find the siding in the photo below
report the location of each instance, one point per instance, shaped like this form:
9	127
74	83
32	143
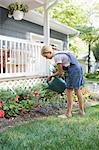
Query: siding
19	29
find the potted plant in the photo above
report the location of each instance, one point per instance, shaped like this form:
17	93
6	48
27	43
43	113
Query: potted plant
17	10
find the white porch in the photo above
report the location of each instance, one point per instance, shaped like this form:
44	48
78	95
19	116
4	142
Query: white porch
21	58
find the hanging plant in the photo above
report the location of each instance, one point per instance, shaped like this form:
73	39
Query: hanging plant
15	9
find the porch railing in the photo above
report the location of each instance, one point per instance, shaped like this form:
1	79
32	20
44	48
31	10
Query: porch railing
21	58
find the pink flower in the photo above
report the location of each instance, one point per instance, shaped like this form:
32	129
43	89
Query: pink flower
16	99
2	113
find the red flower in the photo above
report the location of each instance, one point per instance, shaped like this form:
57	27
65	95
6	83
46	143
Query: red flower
16	99
35	93
23	111
2	113
1	105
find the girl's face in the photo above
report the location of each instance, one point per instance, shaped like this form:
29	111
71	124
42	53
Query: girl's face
48	55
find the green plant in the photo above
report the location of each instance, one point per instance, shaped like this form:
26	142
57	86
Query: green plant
16	6
55	70
14	102
11	109
94	75
95	50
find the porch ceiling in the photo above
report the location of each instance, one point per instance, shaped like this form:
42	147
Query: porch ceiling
34	17
31	3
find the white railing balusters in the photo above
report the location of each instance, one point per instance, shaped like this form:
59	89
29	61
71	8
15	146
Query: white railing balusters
33	52
15	55
5	56
1	57
21	58
10	57
18	63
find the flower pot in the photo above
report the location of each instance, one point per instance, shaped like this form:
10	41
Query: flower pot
18	15
10	16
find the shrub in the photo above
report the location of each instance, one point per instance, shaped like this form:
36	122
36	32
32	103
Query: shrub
16	6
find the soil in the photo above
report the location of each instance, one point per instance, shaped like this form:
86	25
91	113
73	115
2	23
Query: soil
5	123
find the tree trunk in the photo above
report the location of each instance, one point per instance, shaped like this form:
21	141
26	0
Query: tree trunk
89	50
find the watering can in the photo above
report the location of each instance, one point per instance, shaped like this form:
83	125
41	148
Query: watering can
57	84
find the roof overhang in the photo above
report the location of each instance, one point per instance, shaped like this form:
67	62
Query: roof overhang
31	3
34	17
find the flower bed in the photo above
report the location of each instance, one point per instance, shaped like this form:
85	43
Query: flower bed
20	101
37	98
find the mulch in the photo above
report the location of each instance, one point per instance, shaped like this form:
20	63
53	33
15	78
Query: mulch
10	122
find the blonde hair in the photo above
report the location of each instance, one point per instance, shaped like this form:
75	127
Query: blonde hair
45	49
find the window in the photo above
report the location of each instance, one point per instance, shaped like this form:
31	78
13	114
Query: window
40	39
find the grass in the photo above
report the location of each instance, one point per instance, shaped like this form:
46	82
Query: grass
53	133
91	80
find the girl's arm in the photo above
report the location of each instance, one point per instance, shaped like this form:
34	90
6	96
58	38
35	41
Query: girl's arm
59	72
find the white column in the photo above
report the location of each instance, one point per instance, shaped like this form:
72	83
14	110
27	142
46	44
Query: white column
46	28
48	5
46	25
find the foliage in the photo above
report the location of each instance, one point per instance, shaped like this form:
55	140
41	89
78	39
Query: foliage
90	35
77	46
47	96
22	100
68	13
94	75
96	8
95	50
14	102
40	10
86	94
16	6
73	48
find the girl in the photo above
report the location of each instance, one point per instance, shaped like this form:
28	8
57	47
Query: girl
65	61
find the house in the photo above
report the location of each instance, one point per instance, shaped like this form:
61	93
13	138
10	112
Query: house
21	41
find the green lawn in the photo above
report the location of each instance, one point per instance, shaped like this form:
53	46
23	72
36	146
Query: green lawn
53	133
92	80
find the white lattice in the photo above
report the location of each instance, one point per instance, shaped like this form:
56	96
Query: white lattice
24	83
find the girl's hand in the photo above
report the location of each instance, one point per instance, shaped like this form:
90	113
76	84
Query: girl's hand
49	78
58	73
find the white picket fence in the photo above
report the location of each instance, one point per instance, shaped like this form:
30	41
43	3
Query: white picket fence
21	58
